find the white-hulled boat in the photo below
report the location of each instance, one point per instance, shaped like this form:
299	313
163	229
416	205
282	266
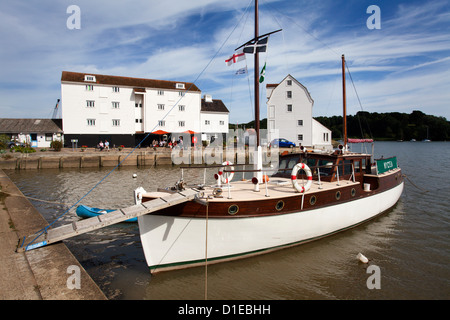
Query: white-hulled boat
244	218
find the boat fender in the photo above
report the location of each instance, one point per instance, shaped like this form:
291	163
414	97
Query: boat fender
362	258
304	167
230	176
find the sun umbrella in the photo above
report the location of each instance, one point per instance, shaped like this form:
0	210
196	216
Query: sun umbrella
159	132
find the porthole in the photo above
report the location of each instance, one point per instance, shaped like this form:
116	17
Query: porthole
312	200
338	195
233	209
280	205
353	192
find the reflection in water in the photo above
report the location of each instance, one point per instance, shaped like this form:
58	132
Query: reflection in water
409	243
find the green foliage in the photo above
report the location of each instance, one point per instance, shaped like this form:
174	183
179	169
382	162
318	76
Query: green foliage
390	126
21	149
56	145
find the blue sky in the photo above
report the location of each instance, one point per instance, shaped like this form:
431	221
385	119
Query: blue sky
403	66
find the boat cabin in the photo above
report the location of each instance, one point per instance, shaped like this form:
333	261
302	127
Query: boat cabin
327	166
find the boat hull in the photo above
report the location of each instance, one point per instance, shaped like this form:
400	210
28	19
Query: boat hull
175	242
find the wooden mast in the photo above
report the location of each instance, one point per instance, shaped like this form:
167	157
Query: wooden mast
344	103
256	78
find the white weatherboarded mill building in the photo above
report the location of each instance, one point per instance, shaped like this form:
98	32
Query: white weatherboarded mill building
289	110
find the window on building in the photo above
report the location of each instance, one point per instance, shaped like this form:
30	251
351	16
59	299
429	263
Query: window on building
115	105
160	107
181	93
325	136
116	122
138	120
90	103
180	85
89	87
207	122
89	78
181	123
49	137
181	108
91	122
289	94
116	89
289	108
222	123
289	82
160	92
161	123
299	122
300	137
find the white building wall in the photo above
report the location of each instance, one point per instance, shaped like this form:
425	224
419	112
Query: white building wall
152	107
184	111
290	111
77	109
321	136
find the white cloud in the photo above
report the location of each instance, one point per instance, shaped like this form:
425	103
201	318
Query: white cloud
394	68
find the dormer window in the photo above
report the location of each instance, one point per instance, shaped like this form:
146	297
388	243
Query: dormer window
89	78
179	85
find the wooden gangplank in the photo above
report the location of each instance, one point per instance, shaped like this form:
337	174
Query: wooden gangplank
86	225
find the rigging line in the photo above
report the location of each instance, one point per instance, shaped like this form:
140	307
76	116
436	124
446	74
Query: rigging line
40	232
306	31
360	104
246	13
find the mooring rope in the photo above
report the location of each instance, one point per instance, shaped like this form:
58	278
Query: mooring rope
407	178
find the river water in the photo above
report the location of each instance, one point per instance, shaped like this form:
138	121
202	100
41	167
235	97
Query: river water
409	245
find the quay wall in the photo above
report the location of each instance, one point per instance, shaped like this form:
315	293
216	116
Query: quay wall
68	158
42	274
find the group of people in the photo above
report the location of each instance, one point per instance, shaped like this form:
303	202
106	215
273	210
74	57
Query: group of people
170	144
102	145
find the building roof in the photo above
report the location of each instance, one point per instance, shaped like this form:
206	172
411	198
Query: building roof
296	81
214	106
126	81
31	126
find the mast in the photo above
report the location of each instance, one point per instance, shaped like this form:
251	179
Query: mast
344	102
256	78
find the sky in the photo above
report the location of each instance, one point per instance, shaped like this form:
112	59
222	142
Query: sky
400	66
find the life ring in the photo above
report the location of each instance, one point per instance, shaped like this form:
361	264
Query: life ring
229	176
304	167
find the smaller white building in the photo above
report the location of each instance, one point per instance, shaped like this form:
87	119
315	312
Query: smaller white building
37	133
289	110
214	117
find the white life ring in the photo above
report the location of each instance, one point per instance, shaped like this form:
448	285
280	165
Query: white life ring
229	176
304	167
